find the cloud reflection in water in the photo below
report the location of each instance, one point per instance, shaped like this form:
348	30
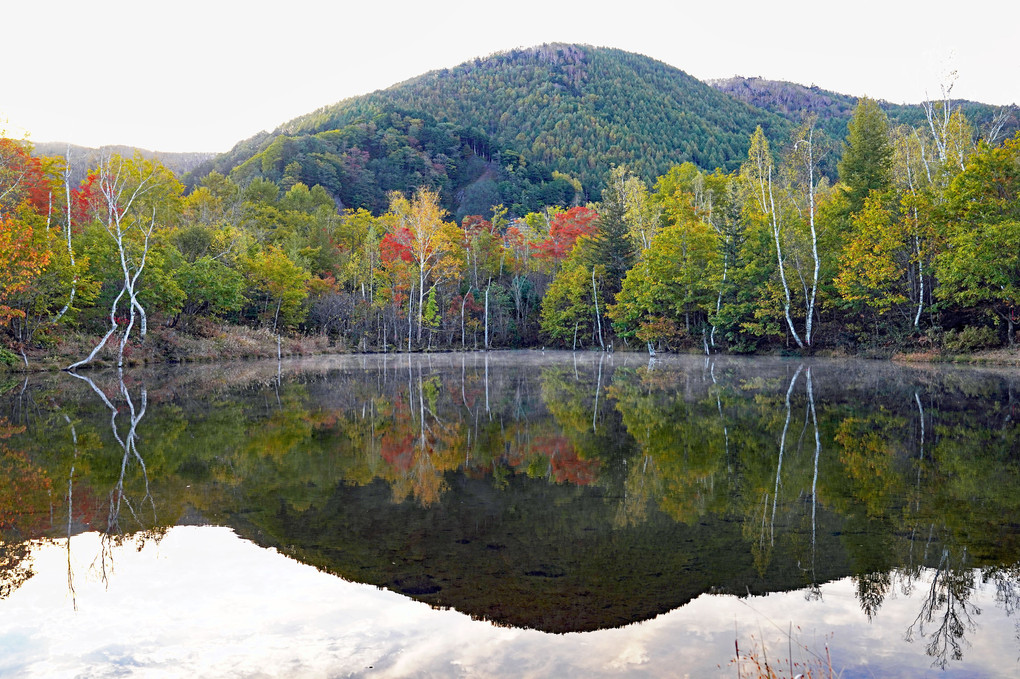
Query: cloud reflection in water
203	602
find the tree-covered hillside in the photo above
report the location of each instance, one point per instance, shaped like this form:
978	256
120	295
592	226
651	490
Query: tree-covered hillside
496	129
794	101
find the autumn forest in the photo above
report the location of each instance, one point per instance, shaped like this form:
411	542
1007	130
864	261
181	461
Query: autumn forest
415	219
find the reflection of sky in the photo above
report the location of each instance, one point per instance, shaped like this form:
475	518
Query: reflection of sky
205	603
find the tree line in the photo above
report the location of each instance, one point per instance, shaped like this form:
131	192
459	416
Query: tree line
914	244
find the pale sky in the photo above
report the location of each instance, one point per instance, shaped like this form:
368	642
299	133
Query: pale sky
201	75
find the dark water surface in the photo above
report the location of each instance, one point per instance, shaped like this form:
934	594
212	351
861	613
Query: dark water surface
511	514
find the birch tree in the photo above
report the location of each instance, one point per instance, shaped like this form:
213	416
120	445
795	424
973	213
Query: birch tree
951	133
913	180
758	172
642	215
423	218
803	188
132	198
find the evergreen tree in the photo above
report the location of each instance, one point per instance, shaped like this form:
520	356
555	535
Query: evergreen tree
612	245
866	165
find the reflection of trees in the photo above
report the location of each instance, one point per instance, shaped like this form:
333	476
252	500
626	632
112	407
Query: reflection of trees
946	612
899	468
24	495
814	591
792	472
1007	591
763	551
932	497
682	464
871	590
128	443
408	423
418	442
15	565
590	443
119	497
725	443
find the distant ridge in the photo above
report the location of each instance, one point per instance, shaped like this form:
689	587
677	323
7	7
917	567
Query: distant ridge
84	157
793	101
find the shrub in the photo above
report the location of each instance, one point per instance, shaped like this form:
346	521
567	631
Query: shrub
971	339
8	357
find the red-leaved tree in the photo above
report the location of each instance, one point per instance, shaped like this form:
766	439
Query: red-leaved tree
564	230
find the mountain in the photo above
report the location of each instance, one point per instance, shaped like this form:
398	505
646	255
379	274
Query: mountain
541	126
84	157
793	101
517	127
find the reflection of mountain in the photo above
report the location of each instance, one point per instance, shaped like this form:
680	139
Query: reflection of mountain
559	492
531	555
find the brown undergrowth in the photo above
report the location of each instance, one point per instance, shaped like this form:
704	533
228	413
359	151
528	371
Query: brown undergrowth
755	660
169	345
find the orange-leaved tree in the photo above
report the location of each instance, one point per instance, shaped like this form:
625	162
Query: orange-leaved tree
24	199
22	258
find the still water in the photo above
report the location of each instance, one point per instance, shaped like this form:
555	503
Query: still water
511	514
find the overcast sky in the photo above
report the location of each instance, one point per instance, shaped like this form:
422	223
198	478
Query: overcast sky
201	75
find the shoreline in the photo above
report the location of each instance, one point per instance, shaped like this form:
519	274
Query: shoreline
166	346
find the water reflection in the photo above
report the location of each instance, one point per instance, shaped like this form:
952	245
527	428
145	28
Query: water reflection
560	495
202	620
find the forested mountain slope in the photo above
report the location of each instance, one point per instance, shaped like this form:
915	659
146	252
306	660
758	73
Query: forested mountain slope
495	129
793	101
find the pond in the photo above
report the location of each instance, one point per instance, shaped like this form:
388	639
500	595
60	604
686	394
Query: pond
520	514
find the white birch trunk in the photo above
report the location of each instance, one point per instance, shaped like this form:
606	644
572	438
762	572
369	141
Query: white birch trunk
814	235
70	250
106	337
779	257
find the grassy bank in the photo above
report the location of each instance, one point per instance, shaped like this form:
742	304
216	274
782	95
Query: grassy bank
1005	356
167	345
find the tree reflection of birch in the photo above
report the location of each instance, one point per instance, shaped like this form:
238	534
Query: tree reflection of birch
767	534
947	613
814	591
118	498
70	509
782	450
